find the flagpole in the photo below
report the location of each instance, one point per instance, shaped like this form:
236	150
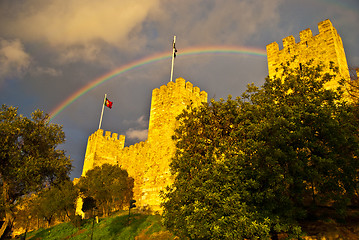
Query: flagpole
173	55
103	106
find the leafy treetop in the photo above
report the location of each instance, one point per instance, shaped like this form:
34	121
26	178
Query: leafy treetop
254	166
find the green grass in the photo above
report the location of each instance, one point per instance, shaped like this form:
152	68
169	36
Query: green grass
114	227
60	231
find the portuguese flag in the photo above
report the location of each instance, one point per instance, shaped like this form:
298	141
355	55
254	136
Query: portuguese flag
108	103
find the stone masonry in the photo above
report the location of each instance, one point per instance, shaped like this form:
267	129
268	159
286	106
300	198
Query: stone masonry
325	47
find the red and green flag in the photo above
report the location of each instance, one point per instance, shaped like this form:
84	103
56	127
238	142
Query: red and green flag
108	103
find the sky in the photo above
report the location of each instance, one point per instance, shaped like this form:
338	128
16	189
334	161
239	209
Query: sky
62	57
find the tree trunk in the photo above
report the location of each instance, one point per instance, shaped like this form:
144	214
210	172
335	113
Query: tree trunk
313	195
9	218
104	211
7	224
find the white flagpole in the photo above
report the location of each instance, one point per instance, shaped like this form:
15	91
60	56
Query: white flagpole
173	55
103	106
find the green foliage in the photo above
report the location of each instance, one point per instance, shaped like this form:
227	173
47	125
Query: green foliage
55	201
352	88
28	154
29	158
109	185
248	168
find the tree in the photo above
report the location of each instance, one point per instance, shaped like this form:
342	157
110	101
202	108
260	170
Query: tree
308	134
251	167
55	201
29	158
109	185
353	90
206	200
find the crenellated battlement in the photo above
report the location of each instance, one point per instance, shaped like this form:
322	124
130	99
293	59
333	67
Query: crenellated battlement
323	48
178	88
288	42
167	103
114	137
305	35
325	28
102	148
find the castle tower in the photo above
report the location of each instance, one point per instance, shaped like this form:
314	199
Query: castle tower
102	149
167	103
325	47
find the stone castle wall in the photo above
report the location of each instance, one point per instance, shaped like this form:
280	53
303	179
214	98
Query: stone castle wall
325	47
102	149
147	162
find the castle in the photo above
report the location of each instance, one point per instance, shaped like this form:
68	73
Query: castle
148	162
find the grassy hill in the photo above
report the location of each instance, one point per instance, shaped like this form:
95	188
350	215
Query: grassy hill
322	225
141	227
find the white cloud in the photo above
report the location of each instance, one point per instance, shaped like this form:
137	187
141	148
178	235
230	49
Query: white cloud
14	61
81	30
137	134
66	23
142	122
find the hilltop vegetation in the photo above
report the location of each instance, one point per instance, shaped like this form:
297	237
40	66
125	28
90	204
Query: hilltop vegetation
107	189
146	227
36	190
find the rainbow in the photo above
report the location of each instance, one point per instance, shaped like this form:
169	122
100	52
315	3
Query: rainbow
151	59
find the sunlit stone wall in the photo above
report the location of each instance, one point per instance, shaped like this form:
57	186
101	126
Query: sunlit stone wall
325	47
